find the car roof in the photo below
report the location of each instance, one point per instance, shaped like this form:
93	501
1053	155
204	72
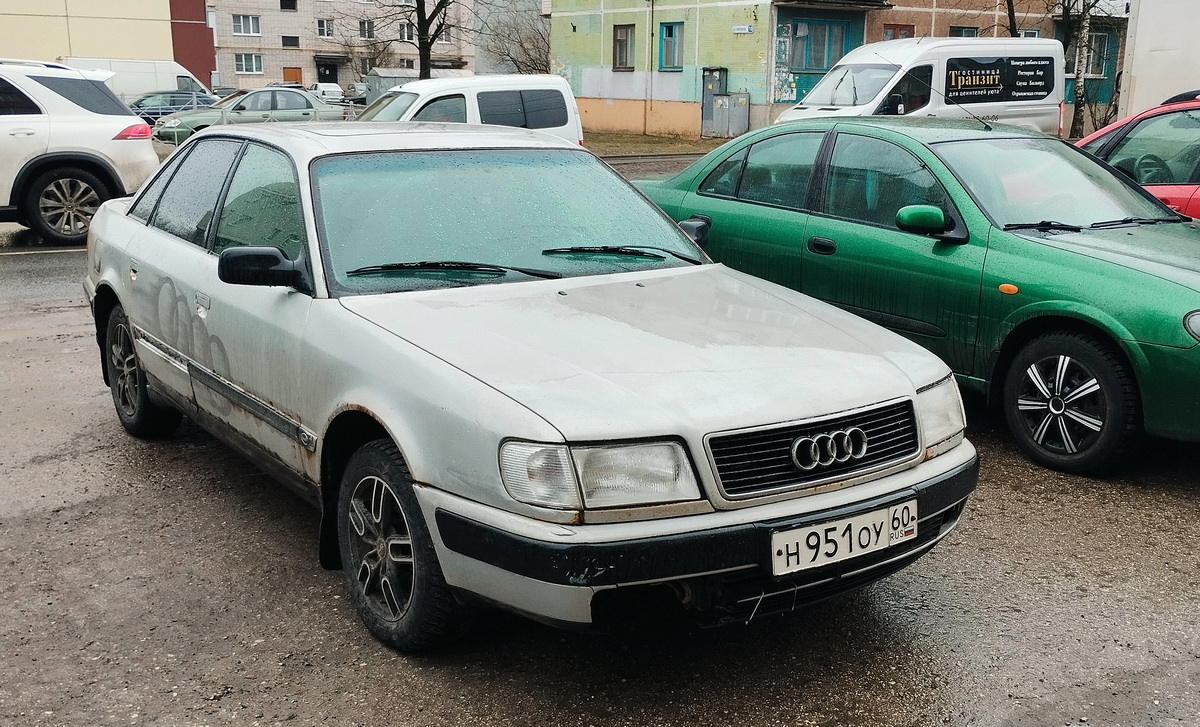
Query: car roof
496	80
53	70
923	129
307	139
903	50
1152	111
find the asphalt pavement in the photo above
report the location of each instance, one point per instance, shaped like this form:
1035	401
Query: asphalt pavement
172	583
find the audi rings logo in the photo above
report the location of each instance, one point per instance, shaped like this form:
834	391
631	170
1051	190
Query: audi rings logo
822	450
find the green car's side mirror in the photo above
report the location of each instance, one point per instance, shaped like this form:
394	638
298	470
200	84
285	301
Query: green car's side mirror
927	219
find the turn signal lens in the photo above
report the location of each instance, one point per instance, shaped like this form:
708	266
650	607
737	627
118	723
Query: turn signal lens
137	131
539	474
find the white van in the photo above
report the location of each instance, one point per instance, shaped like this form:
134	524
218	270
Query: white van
1013	80
541	102
132	78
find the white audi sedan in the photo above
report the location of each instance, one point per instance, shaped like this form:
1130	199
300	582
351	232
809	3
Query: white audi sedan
506	378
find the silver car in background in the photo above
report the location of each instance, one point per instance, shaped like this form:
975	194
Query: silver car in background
506	378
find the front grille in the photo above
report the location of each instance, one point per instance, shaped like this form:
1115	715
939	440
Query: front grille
760	461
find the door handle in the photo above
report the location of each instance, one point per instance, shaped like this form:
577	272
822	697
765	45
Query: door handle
822	245
22	132
133	269
202	304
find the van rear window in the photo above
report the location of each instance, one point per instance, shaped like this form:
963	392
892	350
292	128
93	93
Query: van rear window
529	108
91	95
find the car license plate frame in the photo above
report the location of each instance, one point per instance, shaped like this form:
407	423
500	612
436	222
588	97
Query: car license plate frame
821	544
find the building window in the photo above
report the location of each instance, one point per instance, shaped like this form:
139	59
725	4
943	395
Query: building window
291	41
408	33
247	63
894	32
962	31
365	66
1029	33
622	47
246	25
325	27
442	37
210	18
366	29
818	44
287	4
1096	56
670	47
407	63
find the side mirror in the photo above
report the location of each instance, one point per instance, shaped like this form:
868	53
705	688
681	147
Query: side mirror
895	104
258	266
927	219
696	228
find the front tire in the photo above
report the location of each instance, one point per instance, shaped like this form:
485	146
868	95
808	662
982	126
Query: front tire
60	204
1072	403
140	416
395	581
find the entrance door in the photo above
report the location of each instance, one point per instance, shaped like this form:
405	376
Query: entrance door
294	75
327	73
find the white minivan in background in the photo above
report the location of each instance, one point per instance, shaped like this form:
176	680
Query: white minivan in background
541	102
1016	81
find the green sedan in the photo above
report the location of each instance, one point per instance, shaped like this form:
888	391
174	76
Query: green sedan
248	107
1047	281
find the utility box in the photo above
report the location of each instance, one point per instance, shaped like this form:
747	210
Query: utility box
730	117
715	84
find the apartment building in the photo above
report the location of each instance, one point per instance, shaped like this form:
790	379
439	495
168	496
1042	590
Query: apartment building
325	41
648	66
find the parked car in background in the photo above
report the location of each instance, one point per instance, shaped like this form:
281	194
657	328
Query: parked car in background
498	390
223	91
1048	282
248	107
287	84
528	101
1159	149
153	106
130	79
330	92
356	93
69	144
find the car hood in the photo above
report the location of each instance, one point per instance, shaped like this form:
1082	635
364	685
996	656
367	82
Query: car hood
1167	250
684	350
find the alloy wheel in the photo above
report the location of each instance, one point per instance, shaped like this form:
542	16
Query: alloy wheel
382	548
125	370
67	205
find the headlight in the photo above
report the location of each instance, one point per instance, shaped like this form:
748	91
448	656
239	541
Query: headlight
635	474
1191	322
940	410
172	122
554	475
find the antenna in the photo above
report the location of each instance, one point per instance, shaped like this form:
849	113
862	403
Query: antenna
986	125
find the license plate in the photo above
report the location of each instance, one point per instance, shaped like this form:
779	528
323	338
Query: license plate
813	546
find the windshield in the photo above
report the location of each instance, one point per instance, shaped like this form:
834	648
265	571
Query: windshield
1029	180
230	101
388	107
851	84
515	208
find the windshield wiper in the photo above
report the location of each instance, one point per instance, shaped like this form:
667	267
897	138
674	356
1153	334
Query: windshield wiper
1134	221
452	265
635	250
1043	225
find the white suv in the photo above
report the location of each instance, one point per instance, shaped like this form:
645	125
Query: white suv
69	145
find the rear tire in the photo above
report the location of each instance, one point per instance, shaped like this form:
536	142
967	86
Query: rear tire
60	203
395	581
140	416
1072	403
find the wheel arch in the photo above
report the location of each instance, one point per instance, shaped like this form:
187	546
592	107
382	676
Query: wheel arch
349	430
1107	331
102	306
87	162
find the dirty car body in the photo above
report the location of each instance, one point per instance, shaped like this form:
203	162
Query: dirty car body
503	393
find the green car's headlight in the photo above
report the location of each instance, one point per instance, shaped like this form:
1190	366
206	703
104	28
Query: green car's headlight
172	122
940	410
624	475
1191	323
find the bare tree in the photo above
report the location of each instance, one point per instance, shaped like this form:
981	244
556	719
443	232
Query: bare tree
417	23
517	35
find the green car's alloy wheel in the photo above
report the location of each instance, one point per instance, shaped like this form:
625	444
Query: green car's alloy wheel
140	416
1071	403
387	554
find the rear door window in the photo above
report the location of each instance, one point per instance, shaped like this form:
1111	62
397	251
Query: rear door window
185	209
502	108
15	103
90	95
541	108
290	101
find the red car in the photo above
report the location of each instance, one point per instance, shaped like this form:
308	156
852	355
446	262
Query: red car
1160	149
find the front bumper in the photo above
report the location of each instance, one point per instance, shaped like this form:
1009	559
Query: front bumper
718	575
